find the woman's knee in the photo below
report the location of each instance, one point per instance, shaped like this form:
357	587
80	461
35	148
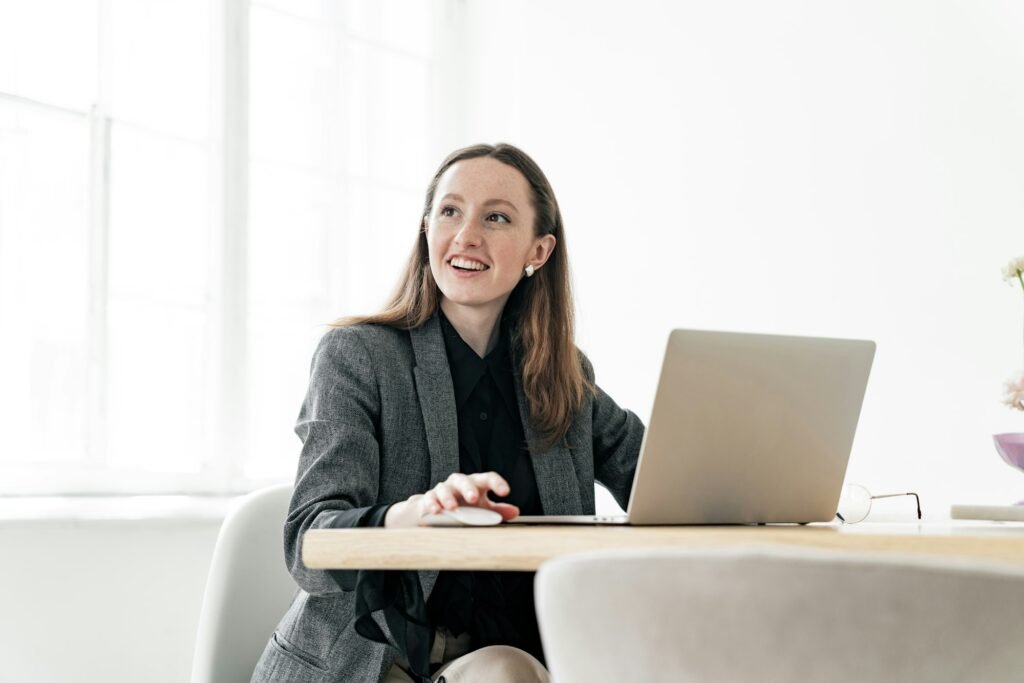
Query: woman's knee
495	664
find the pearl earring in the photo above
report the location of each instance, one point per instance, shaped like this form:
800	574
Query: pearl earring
529	270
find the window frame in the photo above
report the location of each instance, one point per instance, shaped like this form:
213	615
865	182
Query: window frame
226	443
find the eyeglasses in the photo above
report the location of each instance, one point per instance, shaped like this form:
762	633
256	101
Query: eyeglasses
855	503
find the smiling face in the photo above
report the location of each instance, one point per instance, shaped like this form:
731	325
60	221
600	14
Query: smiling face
480	234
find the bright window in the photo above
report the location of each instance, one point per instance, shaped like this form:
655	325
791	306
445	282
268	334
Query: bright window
158	309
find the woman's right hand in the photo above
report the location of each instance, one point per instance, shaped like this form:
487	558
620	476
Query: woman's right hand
457	490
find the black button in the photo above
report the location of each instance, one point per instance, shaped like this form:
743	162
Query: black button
483	416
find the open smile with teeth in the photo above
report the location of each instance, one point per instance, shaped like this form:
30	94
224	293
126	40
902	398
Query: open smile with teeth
466	264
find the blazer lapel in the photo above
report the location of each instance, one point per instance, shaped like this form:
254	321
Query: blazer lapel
557	482
440	418
437	400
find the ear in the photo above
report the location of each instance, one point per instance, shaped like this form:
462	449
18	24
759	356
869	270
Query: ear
543	247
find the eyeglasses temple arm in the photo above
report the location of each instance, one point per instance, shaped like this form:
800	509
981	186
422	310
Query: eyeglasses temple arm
897	495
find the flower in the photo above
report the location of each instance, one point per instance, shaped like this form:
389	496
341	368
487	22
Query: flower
1014	270
1014	388
1014	391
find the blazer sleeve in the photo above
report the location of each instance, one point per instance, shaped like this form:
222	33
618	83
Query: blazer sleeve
338	471
617	436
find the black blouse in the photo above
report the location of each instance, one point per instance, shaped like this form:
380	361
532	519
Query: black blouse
495	608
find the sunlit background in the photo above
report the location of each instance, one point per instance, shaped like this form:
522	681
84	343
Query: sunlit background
188	192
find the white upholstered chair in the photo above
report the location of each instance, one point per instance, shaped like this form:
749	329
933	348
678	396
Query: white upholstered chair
248	589
778	614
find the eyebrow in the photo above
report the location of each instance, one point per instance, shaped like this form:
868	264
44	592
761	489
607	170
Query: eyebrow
489	202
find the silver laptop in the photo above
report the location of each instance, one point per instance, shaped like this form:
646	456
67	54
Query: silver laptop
745	429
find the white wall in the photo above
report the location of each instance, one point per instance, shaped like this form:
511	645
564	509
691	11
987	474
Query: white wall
821	168
114	600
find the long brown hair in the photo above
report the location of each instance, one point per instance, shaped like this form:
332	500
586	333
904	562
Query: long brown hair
543	335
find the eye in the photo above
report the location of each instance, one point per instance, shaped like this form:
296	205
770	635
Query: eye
498	217
447	211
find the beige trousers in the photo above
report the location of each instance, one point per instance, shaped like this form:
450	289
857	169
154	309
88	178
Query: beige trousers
494	664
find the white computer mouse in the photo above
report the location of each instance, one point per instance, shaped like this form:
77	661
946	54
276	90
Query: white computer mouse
465	515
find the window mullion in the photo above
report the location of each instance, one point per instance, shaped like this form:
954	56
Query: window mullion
448	74
99	234
99	261
227	405
337	299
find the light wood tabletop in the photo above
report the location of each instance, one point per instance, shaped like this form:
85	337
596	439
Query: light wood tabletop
525	548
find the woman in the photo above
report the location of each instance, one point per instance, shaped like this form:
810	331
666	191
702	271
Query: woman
467	390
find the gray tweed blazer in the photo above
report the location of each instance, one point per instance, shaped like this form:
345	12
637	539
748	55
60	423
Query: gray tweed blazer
378	425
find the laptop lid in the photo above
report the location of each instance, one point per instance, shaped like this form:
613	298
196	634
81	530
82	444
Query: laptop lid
750	428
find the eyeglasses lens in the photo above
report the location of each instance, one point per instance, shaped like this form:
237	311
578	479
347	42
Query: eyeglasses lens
854	503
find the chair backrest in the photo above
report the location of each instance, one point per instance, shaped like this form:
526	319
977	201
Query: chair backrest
248	589
779	614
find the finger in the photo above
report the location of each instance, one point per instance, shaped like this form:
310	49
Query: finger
509	508
506	510
445	496
469	490
463	488
429	504
455	477
492	481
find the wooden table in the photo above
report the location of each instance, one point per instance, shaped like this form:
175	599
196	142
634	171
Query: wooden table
525	548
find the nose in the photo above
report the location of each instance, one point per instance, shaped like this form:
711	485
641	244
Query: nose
469	234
